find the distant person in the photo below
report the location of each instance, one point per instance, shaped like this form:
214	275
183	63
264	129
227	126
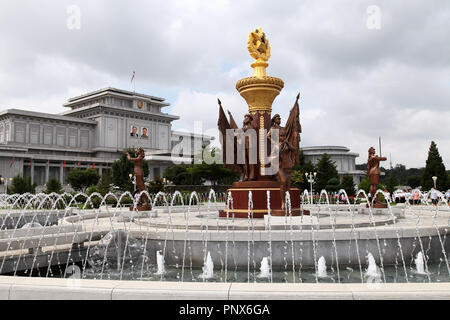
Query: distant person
416	197
388	195
434	196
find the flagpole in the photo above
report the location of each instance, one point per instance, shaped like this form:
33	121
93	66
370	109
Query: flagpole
379	142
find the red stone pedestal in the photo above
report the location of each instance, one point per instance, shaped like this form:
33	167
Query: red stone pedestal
240	193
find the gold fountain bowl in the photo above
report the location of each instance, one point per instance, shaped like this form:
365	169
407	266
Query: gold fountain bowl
260	92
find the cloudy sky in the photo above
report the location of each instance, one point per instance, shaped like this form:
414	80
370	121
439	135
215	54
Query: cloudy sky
363	72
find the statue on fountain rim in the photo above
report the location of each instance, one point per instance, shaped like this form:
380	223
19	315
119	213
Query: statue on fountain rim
139	175
373	171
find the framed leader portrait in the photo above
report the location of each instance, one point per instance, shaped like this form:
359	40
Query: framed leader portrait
134	131
144	133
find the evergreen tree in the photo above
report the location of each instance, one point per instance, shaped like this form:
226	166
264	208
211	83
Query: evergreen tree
297	179
326	170
434	167
21	185
215	172
332	185
364	185
104	185
391	182
53	185
82	179
414	181
348	185
180	175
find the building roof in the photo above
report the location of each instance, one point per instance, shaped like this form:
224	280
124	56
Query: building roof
330	150
115	90
43	115
190	134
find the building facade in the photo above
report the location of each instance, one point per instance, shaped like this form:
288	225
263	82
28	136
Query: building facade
344	160
93	133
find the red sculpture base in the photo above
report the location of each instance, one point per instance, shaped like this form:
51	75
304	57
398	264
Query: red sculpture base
240	193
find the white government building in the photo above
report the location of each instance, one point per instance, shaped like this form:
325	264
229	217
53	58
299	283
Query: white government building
93	133
344	160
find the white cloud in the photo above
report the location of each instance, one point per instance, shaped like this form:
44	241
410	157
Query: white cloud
356	84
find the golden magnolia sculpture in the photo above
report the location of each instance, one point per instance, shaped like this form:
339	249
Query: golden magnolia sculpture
258	45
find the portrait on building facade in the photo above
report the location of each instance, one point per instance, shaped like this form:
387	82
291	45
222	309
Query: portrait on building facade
144	133
134	131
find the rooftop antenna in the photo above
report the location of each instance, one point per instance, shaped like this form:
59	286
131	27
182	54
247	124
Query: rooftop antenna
133	82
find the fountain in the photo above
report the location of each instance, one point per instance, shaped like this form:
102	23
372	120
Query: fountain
208	268
420	264
160	263
185	236
183	242
322	268
265	268
372	269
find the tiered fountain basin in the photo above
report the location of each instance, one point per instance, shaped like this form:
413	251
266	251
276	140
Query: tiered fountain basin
341	235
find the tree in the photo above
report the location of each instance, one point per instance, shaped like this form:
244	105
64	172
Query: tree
302	168
434	167
332	185
53	185
122	168
391	182
348	185
214	172
21	185
82	179
365	185
105	182
297	179
414	181
156	185
180	175
326	170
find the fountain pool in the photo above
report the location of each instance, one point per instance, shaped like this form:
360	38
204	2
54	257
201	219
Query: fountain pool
56	236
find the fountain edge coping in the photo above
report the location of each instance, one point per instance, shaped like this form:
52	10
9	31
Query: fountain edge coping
13	288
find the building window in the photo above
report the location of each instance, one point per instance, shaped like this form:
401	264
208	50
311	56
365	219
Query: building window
34	134
48	135
60	136
20	133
